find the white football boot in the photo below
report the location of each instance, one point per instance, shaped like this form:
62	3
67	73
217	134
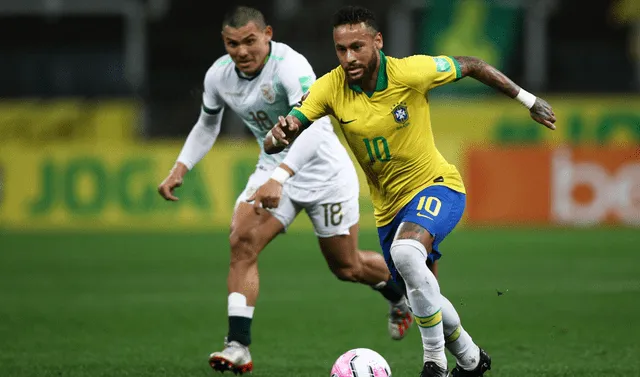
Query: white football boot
234	357
400	319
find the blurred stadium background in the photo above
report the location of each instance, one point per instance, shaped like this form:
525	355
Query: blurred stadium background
100	277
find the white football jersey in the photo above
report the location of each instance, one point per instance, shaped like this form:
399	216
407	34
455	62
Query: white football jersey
259	100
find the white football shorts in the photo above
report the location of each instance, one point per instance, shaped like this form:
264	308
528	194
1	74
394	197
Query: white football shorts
332	209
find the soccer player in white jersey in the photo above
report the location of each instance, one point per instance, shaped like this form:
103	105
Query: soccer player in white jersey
260	79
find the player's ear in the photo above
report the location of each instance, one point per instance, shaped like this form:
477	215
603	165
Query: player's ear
268	32
224	41
377	41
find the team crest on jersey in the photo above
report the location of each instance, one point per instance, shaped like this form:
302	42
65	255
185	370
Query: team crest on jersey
400	113
268	93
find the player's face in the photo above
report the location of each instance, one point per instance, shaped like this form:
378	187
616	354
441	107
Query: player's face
248	46
357	47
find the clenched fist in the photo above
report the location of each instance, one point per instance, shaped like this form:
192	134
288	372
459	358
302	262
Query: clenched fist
173	181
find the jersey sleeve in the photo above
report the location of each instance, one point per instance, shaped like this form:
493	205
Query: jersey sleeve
316	102
428	72
201	138
304	149
212	103
296	76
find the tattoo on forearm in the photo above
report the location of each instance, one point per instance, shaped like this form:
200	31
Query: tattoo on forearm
487	74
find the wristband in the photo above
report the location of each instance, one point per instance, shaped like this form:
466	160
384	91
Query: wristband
280	175
526	98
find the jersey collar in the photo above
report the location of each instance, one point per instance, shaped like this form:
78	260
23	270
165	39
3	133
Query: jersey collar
249	78
381	83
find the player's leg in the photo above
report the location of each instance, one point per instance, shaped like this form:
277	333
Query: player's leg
431	214
471	360
348	263
409	252
250	232
336	226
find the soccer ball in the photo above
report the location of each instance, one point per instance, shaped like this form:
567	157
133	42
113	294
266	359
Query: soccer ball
360	362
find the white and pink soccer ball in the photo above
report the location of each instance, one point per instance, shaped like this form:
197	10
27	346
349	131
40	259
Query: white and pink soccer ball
361	362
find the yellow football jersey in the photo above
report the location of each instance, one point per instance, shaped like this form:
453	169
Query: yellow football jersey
389	130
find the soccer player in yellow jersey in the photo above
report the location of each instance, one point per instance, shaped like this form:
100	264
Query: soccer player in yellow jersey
382	105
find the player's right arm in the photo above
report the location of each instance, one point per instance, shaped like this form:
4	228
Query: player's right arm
282	134
200	140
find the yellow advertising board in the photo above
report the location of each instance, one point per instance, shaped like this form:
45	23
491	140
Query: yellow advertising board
103	187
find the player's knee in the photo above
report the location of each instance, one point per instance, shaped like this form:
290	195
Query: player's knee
243	245
407	255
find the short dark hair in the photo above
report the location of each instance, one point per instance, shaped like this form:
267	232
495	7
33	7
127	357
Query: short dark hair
351	14
242	15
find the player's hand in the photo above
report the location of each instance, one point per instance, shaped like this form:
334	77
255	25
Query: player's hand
267	196
542	113
173	181
168	185
285	129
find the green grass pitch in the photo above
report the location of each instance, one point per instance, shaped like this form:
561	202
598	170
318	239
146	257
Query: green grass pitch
115	305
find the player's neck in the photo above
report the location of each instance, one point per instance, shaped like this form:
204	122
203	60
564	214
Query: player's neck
370	84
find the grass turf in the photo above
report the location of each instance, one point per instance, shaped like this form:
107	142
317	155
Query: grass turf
116	305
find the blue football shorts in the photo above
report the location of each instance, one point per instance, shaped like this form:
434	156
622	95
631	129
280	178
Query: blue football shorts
437	208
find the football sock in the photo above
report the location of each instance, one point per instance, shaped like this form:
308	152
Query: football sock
240	317
457	340
390	290
424	297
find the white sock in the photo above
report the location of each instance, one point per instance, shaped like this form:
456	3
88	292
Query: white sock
423	292
238	306
457	340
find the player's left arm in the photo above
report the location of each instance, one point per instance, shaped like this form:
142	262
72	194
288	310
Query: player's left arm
539	109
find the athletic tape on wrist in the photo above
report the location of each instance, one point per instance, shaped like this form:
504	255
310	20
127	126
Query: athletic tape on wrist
526	98
280	175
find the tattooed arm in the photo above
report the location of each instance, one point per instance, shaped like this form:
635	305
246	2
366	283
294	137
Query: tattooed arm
539	109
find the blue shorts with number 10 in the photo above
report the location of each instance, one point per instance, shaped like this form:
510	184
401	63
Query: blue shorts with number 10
436	208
